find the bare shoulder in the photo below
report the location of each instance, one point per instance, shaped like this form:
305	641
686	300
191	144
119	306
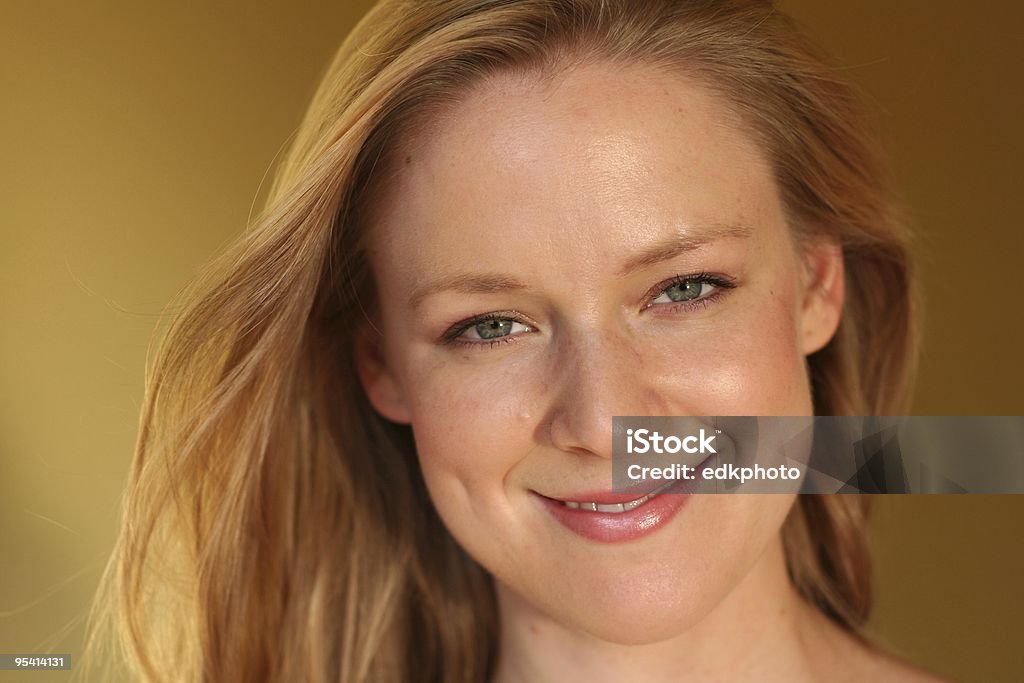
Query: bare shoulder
886	667
871	663
839	656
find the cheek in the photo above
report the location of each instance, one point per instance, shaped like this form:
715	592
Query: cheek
746	362
471	425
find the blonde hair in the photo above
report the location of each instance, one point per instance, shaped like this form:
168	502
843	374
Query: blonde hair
275	526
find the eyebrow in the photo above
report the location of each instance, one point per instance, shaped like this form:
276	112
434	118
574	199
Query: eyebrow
485	283
658	252
670	247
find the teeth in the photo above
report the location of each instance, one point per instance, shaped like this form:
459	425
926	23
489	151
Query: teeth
637	503
614	507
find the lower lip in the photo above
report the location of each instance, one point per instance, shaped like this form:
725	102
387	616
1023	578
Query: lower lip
615	527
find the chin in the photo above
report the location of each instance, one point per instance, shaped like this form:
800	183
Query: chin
647	605
641	623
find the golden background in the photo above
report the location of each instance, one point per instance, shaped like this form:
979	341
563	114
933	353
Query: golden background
135	136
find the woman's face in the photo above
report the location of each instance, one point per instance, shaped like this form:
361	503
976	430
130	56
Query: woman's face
551	255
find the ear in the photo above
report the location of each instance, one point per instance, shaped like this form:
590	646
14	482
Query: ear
378	378
823	293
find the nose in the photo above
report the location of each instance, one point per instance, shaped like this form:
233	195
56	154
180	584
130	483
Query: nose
593	378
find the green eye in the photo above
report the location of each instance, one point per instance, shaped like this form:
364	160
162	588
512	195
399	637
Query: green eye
685	290
491	329
692	288
495	327
689	289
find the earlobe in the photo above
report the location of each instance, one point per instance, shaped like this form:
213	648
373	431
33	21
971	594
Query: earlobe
377	377
824	293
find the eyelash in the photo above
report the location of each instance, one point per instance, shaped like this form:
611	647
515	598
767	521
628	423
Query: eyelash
720	282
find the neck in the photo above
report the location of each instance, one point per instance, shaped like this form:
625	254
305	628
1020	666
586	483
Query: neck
763	630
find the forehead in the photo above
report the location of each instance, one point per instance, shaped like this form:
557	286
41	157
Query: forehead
600	159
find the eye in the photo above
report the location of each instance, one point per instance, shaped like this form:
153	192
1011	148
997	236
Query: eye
493	329
687	290
487	330
690	288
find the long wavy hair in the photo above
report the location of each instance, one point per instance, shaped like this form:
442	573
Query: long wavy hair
276	528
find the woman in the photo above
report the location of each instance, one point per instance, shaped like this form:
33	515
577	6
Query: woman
375	443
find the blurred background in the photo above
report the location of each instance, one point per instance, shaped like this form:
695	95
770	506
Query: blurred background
135	137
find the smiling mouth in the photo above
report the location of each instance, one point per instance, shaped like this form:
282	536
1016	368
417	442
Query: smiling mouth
606	517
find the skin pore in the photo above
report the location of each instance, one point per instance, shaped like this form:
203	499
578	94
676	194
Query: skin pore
624	237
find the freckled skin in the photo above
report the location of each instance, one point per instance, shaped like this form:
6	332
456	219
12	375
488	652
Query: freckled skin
557	186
